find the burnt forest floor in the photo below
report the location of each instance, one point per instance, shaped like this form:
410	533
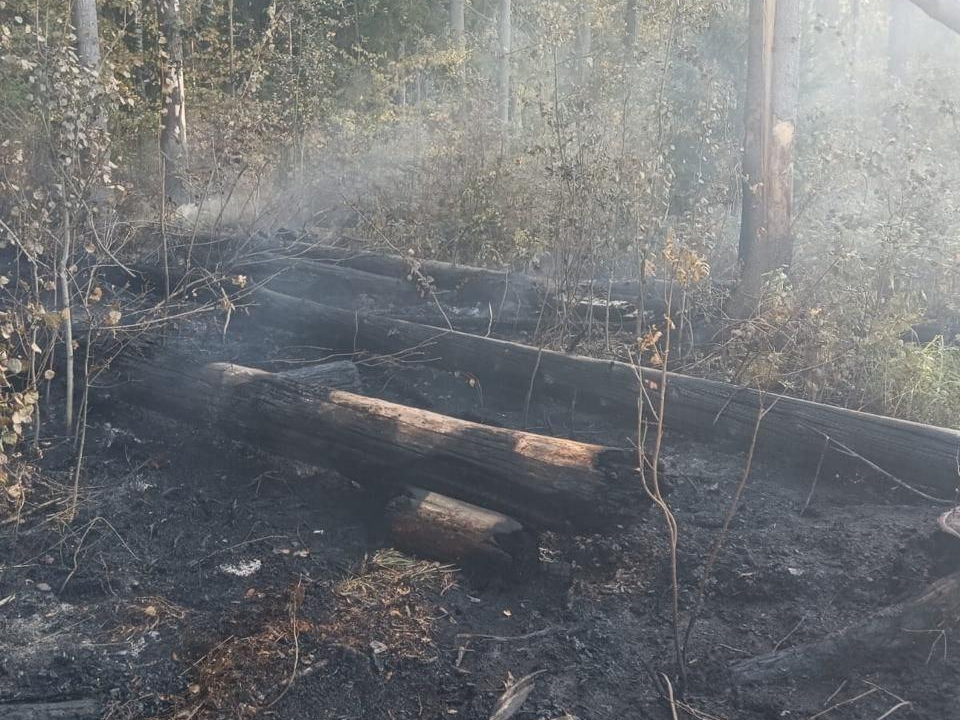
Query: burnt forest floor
201	579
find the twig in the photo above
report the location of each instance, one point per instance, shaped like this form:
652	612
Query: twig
842	703
508	638
67	319
670	698
891	711
294	603
885	473
816	475
718	544
786	637
533	379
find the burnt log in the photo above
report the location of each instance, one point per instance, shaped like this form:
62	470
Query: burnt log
438	527
913	627
319	281
542	481
464	284
916	454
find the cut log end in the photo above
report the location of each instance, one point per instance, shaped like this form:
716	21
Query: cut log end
438	527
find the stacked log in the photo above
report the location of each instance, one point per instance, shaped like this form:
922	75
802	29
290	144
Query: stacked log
544	482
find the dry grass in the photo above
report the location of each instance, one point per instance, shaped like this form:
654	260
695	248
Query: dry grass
389	606
241	676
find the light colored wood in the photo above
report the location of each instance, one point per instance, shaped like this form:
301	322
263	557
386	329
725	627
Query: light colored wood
543	481
438	527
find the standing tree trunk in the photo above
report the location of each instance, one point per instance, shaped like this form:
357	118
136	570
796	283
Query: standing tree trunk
584	46
785	103
96	156
173	112
504	58
456	21
88	36
630	31
773	72
754	106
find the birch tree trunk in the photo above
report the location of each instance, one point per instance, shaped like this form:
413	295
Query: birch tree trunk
584	46
173	112
88	35
504	64
630	31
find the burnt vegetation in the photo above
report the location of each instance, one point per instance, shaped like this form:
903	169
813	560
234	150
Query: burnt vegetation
487	359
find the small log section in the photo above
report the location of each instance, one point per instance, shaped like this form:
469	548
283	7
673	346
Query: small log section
545	482
909	627
441	528
917	454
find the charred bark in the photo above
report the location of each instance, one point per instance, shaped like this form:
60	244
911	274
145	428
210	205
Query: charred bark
543	481
910	627
918	454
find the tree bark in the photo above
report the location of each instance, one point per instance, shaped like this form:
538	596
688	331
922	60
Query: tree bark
173	112
784	107
584	46
907	628
88	34
773	74
543	481
505	48
946	12
920	455
441	528
755	104
631	24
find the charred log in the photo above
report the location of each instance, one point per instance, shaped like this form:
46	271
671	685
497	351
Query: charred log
441	528
542	481
910	627
714	410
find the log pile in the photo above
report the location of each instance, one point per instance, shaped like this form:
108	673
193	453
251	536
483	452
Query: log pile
916	454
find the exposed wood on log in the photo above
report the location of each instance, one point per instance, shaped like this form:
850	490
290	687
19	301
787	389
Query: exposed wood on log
917	454
64	710
442	528
543	481
913	626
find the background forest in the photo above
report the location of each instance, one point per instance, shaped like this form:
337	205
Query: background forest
584	141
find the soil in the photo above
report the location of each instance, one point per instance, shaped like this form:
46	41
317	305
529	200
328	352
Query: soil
201	579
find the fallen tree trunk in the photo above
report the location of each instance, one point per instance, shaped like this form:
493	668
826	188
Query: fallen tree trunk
913	626
319	281
543	481
914	453
467	284
441	528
